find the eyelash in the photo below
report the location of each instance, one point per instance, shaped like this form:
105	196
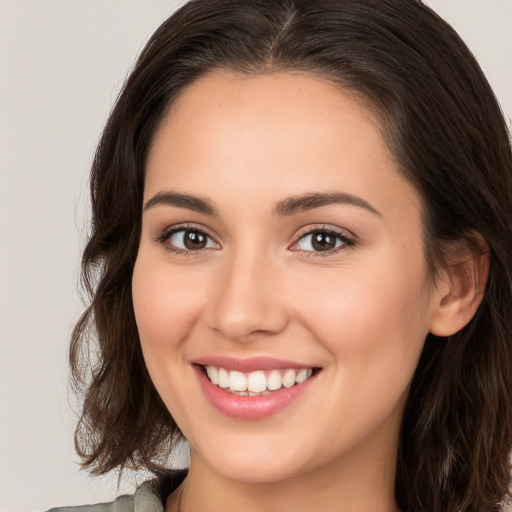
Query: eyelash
348	241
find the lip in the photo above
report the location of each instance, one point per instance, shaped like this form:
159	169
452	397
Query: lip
247	365
251	407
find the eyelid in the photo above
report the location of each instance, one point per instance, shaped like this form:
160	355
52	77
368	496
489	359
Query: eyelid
348	238
312	228
168	231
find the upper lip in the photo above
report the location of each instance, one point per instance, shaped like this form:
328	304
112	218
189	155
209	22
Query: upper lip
248	365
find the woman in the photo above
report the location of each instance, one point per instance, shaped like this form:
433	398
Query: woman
299	261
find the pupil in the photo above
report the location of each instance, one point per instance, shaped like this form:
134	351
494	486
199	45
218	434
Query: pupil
194	240
323	241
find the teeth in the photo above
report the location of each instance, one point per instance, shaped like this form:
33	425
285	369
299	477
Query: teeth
223	378
301	376
237	381
258	382
289	378
213	374
274	380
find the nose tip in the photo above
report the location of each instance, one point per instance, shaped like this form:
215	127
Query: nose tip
239	324
247	305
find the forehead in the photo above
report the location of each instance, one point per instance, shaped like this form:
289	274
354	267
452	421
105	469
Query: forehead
265	136
279	89
270	104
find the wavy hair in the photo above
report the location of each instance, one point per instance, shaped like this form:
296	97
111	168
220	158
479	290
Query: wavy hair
445	129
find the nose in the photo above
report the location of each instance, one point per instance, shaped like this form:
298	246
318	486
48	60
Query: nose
247	302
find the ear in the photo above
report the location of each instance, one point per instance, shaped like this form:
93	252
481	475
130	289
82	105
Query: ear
460	285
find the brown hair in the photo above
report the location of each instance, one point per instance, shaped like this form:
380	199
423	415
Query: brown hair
445	129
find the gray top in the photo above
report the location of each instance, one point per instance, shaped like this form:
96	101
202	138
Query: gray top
148	497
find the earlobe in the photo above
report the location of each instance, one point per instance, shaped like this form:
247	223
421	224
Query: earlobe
460	287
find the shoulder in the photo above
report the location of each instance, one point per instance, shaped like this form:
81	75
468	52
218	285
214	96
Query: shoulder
121	504
148	497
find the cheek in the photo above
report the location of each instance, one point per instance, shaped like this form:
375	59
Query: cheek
373	327
372	321
357	303
166	307
166	304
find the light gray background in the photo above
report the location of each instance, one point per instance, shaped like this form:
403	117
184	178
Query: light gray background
62	63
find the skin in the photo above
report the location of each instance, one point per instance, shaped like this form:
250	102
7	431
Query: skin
360	312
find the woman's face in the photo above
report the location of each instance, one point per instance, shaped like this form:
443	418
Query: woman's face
280	243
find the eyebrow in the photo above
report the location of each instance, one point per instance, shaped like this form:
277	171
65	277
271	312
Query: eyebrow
310	201
286	207
194	203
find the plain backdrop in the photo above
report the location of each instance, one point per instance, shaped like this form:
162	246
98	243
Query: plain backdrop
62	63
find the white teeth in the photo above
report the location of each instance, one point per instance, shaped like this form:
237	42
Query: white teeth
301	376
237	381
223	378
258	382
289	378
274	380
213	374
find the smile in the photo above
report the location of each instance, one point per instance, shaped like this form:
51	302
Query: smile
260	382
254	388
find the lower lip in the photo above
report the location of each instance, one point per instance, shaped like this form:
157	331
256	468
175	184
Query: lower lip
251	407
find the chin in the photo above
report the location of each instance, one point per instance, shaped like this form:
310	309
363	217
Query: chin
256	472
256	461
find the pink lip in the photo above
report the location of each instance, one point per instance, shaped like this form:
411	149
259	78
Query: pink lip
250	407
248	365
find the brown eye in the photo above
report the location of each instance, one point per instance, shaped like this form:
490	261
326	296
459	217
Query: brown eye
189	240
322	241
194	240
